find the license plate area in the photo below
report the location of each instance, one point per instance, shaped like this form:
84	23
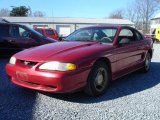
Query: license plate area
22	76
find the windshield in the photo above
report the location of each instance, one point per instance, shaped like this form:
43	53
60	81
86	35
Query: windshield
34	31
98	34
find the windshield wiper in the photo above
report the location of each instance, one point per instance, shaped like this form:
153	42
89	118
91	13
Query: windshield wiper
90	41
66	40
82	41
86	40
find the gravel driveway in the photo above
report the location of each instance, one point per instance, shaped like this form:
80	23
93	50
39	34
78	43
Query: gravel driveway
136	96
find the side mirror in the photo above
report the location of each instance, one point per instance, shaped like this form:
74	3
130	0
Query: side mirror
61	38
124	41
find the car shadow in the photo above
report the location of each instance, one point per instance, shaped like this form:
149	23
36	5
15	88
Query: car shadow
128	85
15	102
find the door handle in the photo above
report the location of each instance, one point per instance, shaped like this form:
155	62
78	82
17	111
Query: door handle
11	41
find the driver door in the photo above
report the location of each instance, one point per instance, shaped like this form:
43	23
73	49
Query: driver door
128	56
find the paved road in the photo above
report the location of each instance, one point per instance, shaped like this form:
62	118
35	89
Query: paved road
136	96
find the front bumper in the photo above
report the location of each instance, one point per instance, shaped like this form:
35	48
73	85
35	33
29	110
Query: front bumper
58	82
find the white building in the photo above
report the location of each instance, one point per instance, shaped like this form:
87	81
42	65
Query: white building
65	26
155	22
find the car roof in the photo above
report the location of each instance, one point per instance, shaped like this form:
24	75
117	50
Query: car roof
10	24
109	26
43	28
113	26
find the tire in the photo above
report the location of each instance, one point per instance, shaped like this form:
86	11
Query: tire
98	79
147	63
154	41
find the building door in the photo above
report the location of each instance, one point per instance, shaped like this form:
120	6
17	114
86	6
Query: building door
63	30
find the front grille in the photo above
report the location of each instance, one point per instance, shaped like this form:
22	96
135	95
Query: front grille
28	63
44	86
33	84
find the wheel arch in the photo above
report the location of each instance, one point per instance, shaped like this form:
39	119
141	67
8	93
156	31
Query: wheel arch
90	87
150	51
107	62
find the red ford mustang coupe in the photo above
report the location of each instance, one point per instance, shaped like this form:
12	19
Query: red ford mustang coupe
88	60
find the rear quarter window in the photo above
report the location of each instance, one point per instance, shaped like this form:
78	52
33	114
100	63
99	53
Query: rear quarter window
126	32
138	36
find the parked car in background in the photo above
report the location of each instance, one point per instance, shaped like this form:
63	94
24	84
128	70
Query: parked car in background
157	34
88	60
15	37
152	37
48	32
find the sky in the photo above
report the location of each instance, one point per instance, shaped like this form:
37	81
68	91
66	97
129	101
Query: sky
70	8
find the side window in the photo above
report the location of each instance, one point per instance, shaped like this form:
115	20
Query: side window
4	31
17	31
126	33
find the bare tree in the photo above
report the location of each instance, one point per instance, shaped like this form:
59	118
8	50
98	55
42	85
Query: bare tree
141	11
147	8
132	13
4	12
117	14
29	11
38	14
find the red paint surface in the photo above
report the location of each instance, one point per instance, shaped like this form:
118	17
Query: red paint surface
122	60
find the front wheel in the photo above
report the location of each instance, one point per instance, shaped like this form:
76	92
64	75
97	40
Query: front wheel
98	79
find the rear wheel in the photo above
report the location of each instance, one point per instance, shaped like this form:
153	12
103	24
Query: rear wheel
98	79
147	63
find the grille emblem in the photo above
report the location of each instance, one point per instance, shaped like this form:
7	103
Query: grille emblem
26	62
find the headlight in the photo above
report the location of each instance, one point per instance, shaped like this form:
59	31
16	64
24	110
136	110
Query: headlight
58	66
12	60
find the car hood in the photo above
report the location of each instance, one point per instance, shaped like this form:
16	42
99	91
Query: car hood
62	51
